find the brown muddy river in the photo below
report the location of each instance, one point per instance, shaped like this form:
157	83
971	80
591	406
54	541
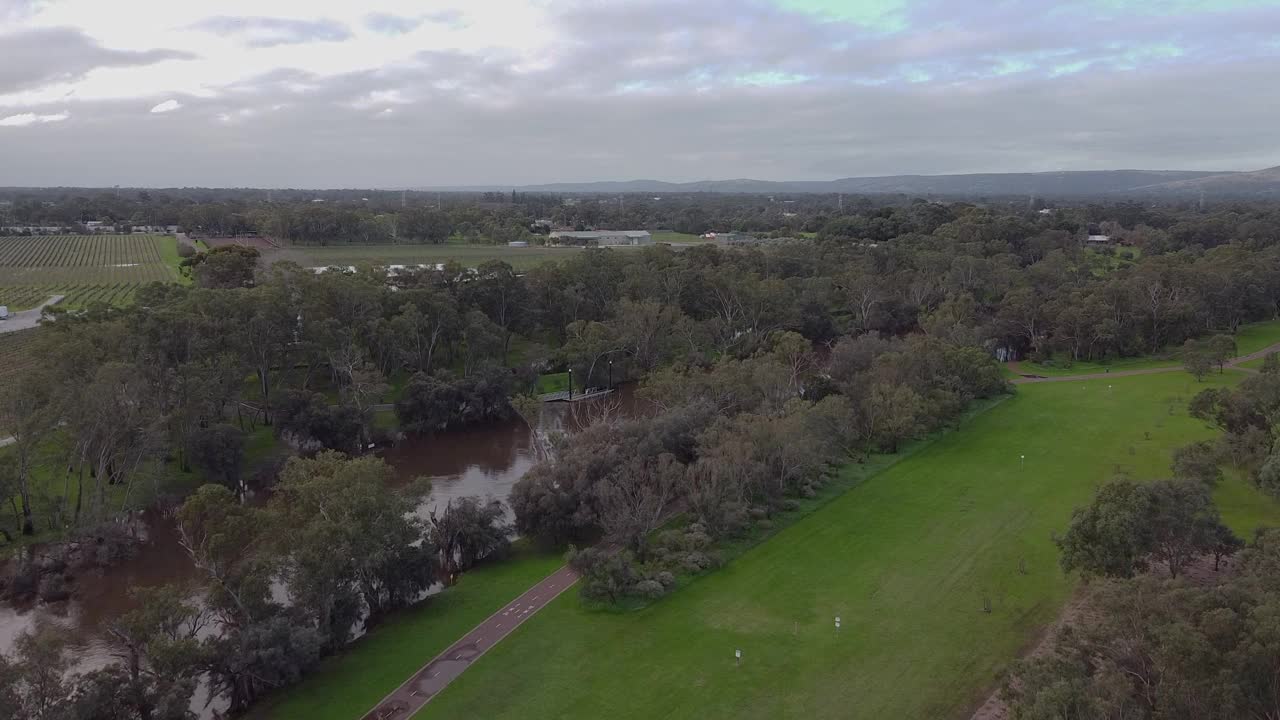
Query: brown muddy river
485	460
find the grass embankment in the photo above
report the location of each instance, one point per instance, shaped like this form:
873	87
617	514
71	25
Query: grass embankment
348	685
904	558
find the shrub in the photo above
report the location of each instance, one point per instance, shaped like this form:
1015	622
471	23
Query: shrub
651	589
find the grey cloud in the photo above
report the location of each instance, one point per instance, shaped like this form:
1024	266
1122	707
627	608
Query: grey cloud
33	58
261	32
15	10
392	24
477	119
388	24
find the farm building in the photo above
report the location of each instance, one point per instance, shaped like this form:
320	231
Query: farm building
603	237
1098	240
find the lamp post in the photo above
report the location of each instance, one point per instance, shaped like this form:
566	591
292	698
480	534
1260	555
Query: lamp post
837	623
1022	462
570	383
611	374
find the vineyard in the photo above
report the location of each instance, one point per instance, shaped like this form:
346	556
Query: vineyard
84	268
15	351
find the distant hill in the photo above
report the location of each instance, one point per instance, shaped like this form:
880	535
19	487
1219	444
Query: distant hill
1053	184
1259	183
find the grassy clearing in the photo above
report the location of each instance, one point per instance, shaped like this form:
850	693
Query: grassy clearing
905	559
468	255
1086	368
553	382
1256	336
349	685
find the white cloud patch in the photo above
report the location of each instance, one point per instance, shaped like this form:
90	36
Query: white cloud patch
24	119
166	106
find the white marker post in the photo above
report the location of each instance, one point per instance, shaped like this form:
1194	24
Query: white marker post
737	654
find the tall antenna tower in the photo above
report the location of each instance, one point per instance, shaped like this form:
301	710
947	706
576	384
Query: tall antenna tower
403	198
841	196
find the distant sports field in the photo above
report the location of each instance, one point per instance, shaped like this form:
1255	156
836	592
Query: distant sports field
84	268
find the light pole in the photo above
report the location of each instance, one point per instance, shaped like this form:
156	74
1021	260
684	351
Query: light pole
1022	462
737	656
610	374
837	623
570	383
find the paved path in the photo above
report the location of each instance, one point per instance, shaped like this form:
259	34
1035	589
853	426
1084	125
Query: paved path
1016	367
27	319
407	699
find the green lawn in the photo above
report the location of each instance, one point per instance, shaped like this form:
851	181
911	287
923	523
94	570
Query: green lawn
553	382
1253	364
348	685
1085	368
1255	336
905	559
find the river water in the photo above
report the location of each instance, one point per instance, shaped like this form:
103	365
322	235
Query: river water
479	461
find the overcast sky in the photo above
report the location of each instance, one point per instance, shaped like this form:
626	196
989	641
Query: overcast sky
393	93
